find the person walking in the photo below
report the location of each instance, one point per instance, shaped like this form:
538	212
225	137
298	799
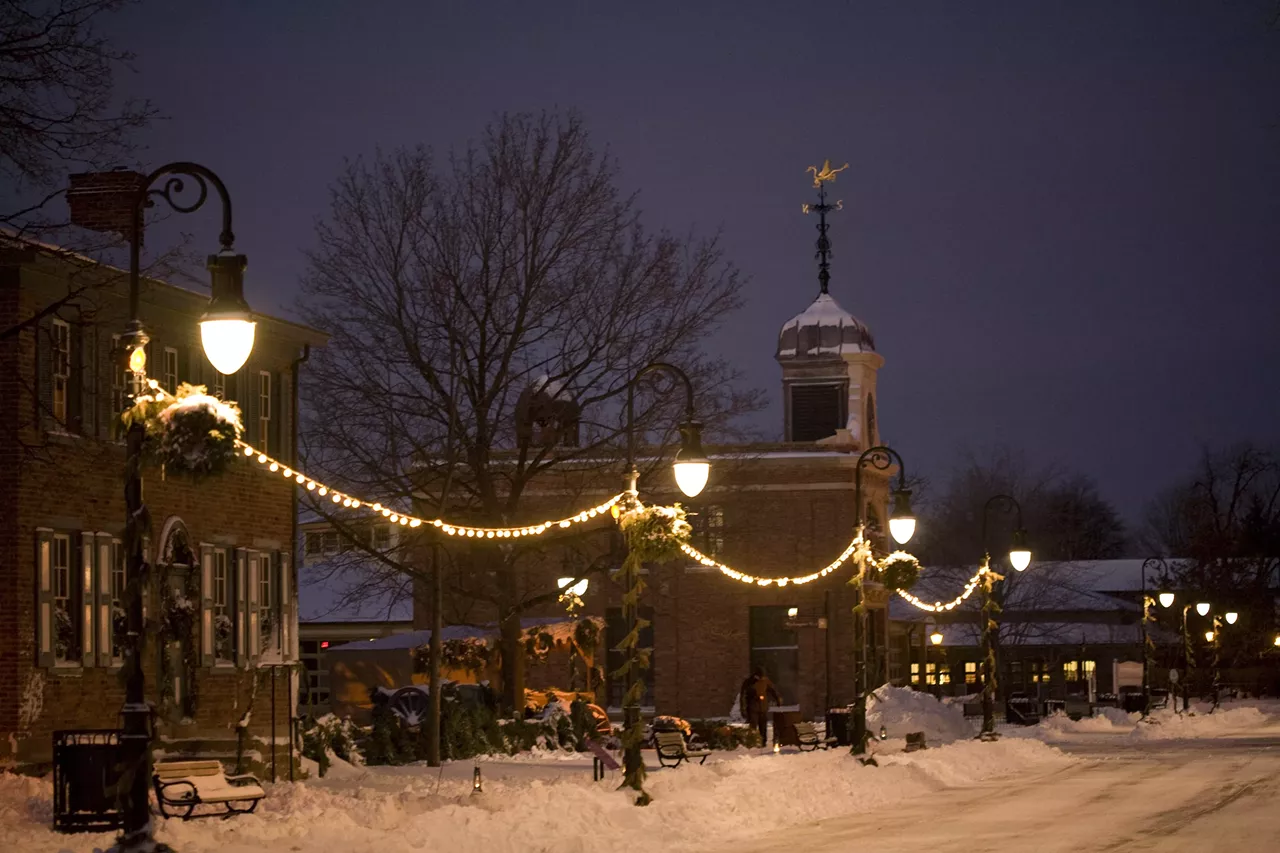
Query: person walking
757	691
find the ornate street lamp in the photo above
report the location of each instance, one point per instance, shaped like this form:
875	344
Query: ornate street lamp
936	638
1019	558
902	524
1148	647
227	333
691	469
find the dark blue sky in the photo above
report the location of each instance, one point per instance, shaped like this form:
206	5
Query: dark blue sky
1062	220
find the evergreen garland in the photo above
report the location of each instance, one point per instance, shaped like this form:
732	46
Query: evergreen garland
899	570
653	535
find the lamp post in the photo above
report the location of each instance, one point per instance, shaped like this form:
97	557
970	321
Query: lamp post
936	638
1188	651
902	524
1148	647
227	333
691	469
1019	558
1215	638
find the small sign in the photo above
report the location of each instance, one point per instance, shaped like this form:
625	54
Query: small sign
1173	676
806	622
601	754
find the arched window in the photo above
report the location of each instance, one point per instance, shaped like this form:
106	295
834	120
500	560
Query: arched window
873	437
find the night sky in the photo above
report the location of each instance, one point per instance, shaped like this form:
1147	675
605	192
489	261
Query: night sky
1062	220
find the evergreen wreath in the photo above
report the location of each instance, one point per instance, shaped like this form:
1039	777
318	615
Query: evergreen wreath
654	533
899	570
189	433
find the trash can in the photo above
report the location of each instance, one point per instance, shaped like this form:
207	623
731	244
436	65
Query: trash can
1131	702
838	726
86	770
784	728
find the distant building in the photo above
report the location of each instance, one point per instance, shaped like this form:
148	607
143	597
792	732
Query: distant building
1067	629
220	550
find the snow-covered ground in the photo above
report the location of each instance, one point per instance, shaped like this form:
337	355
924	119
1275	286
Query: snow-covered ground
1018	793
549	803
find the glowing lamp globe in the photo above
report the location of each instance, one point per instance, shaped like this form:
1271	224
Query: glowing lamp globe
1019	553
902	522
692	466
1166	599
1232	616
1208	636
1278	639
1203	608
936	638
227	328
576	589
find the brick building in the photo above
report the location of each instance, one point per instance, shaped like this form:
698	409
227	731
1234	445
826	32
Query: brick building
776	509
220	605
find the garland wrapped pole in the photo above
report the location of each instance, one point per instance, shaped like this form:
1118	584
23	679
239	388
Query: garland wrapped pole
901	525
1189	659
1148	645
227	335
1019	558
653	535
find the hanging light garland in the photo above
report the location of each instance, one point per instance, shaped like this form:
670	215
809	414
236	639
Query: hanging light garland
938	606
857	547
349	501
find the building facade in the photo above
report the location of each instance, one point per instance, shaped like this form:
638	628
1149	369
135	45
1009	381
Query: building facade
221	620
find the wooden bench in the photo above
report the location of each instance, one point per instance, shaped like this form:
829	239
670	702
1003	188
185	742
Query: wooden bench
671	747
181	786
807	737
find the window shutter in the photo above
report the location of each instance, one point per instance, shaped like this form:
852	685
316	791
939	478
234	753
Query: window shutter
248	385
253	647
238	597
44	597
102	601
88	556
286	609
206	605
44	373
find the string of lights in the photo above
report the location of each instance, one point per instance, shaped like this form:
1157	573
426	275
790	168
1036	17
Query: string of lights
349	501
938	606
848	552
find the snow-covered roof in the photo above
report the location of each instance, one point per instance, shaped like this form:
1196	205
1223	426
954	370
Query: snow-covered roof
325	596
1056	634
559	629
824	328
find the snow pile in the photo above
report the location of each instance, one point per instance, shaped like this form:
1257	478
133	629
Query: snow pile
1224	721
902	710
526	809
1058	727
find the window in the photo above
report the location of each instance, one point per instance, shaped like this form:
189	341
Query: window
970	672
119	393
66	646
267	602
871	422
224	647
314	685
264	411
816	411
1039	672
615	633
708	530
915	673
776	649
61	366
1073	671
382	537
218	386
170	369
931	673
119	615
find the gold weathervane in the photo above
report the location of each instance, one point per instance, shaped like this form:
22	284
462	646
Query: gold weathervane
826	173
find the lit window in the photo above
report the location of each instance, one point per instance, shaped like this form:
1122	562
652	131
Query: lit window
915	673
61	350
223	626
266	600
970	672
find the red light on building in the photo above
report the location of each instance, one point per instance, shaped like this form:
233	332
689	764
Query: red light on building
324	644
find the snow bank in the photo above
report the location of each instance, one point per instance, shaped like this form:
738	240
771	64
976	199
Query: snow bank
1224	721
531	809
902	710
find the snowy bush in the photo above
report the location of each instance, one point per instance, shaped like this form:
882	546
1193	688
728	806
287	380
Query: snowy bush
718	734
902	710
330	735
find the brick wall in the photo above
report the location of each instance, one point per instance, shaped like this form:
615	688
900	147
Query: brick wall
74	482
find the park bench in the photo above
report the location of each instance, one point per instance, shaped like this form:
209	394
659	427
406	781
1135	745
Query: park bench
671	747
182	786
1076	708
807	737
1159	699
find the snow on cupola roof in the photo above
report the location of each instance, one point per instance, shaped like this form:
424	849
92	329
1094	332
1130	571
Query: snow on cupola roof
824	328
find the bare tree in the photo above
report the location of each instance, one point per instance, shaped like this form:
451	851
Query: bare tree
59	109
1223	523
487	313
